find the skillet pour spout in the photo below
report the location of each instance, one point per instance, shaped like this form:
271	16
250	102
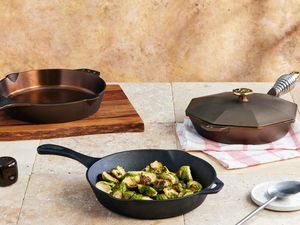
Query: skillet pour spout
245	117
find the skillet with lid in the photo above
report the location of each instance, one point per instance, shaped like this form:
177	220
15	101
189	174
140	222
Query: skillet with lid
244	117
51	95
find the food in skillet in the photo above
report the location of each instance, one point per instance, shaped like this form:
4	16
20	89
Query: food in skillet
154	182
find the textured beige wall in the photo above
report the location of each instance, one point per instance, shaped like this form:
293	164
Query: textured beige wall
153	40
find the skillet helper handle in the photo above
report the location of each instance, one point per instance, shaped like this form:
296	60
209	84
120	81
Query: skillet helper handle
8	103
284	84
95	72
219	185
49	149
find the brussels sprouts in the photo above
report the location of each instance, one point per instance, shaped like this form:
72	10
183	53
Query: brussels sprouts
170	192
161	197
105	186
147	178
184	173
165	169
128	194
156	167
160	184
146	198
185	192
118	172
155	181
107	177
117	194
169	176
178	187
121	187
147	190
194	186
133	173
147	168
130	182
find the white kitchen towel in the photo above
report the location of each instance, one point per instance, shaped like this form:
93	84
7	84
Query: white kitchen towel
233	156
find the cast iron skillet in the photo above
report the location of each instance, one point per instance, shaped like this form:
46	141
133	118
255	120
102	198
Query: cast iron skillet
51	95
136	160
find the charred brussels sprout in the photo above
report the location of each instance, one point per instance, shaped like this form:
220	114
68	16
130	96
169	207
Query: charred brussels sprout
118	172
130	182
160	184
107	177
105	186
147	190
117	194
194	186
170	192
184	173
147	178
161	197
140	197
169	176
128	194
185	192
178	187
156	167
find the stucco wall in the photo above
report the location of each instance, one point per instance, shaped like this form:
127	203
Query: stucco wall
153	40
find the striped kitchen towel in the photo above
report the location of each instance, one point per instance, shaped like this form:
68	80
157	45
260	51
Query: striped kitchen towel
234	156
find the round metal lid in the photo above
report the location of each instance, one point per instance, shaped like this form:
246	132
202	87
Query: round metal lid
242	108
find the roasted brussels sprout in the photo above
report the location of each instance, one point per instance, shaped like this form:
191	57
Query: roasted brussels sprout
169	176
105	186
121	187
130	182
118	172
128	194
184	173
170	192
117	194
107	177
185	192
156	167
147	168
160	184
140	197
161	197
194	186
147	190
178	187
147	178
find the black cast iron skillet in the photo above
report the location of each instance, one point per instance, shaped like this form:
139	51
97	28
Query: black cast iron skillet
136	160
51	95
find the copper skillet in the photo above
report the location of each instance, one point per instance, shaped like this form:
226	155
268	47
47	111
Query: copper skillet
51	95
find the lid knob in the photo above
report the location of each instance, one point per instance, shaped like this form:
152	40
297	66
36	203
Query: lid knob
242	93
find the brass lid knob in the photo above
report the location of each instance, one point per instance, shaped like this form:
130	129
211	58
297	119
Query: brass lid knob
242	93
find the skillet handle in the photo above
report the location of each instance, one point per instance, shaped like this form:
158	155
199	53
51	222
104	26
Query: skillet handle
89	71
49	149
219	185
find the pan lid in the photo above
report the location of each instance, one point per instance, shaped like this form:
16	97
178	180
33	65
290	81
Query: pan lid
242	108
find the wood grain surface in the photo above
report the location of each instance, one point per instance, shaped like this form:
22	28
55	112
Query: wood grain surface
116	114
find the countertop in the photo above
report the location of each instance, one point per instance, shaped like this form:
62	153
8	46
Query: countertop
53	190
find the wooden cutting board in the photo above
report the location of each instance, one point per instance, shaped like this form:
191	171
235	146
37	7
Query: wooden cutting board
116	114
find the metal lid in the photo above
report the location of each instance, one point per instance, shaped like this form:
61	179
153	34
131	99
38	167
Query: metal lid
242	108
